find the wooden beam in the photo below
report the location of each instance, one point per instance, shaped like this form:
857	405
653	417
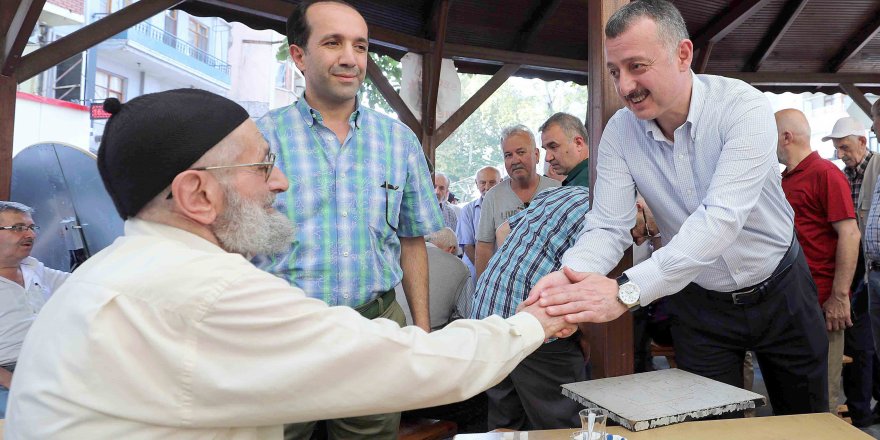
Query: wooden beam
475	101
499	57
803	79
702	59
8	87
431	65
88	36
727	21
20	28
429	118
394	100
856	42
858	97
777	30
431	19
611	344
539	17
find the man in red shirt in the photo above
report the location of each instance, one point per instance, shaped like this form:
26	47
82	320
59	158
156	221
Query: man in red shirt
824	220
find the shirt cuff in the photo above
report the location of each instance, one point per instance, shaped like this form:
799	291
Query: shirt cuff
527	325
648	276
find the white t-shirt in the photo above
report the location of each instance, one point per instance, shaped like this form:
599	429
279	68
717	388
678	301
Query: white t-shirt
19	305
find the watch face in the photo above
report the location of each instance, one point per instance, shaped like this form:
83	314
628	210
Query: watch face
629	294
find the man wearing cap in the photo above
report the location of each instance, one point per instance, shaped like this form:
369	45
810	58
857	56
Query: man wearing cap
171	333
25	285
361	194
861	169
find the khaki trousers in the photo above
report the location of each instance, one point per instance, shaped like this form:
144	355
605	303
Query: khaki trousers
378	426
835	368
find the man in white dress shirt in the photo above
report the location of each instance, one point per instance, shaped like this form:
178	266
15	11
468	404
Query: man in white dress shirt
701	149
25	285
170	332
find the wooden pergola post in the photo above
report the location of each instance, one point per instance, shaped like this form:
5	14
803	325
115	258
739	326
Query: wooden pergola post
17	21
611	344
7	126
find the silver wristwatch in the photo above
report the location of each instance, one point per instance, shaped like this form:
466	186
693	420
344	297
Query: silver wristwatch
628	293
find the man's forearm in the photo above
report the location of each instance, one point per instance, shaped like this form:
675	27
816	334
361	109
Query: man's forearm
485	251
414	263
470	251
846	256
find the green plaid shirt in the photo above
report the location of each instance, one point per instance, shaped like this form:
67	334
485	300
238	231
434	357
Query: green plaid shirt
347	200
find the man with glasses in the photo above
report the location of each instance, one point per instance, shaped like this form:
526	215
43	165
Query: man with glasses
171	333
25	285
361	194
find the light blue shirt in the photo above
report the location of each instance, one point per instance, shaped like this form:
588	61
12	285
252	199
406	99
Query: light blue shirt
715	192
467	230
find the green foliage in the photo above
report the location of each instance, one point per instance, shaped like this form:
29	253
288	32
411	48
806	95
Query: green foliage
370	95
283	53
477	142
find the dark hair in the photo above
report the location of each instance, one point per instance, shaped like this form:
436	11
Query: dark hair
570	125
298	29
670	24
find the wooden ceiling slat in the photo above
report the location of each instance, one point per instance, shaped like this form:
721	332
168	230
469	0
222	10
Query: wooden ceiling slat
536	22
786	18
856	42
727	21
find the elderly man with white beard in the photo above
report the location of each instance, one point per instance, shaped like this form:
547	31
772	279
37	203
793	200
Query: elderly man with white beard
171	333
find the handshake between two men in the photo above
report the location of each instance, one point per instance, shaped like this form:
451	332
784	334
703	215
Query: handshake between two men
576	297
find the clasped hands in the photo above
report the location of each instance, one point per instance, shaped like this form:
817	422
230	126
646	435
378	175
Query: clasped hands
564	298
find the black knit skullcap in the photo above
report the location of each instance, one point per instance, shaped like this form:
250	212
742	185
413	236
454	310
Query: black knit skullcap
152	138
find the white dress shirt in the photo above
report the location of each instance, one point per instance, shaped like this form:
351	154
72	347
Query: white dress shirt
715	192
19	305
165	335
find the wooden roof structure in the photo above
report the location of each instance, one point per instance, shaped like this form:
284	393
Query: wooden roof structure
825	46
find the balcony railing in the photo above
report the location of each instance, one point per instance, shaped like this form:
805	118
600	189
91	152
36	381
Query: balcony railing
157	34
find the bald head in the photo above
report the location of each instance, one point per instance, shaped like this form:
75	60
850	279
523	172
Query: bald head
794	137
486	178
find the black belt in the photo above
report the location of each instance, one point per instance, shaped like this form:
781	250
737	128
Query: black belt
754	294
376	307
874	266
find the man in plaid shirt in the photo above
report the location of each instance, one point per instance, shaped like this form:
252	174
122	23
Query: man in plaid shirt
850	142
360	191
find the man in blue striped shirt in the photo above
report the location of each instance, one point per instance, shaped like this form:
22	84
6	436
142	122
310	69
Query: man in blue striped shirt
529	398
360	191
701	150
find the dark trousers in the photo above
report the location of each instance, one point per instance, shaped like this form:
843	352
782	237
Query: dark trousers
858	344
785	329
530	397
